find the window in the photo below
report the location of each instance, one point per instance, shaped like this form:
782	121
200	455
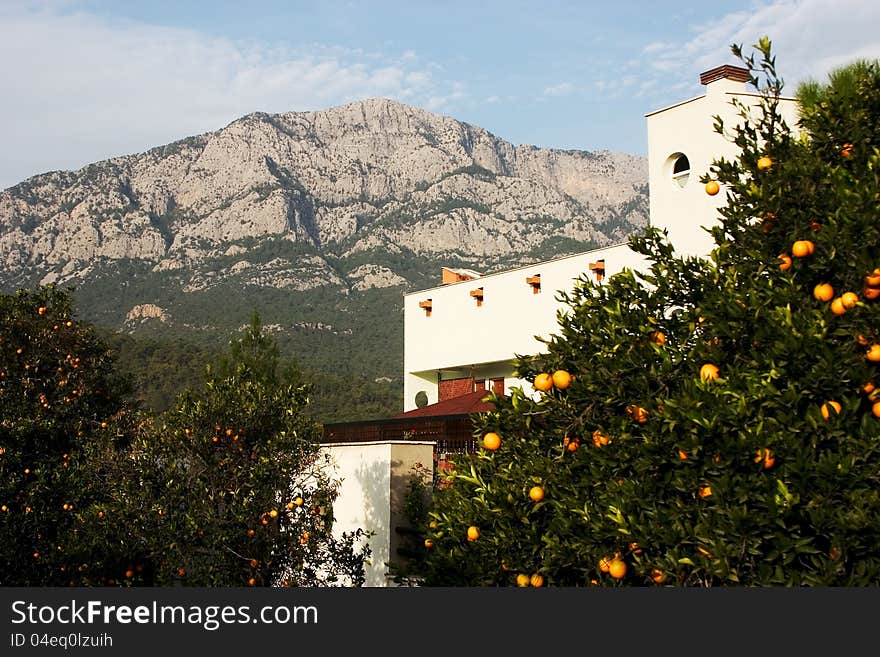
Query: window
681	169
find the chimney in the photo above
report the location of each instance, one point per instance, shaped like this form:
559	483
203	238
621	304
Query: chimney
725	79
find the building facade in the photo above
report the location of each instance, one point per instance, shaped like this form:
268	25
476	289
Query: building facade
463	335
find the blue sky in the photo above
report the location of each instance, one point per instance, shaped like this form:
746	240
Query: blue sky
87	80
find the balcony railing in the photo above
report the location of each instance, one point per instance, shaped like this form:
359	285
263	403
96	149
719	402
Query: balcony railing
452	434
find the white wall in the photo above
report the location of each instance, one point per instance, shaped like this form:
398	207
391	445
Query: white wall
374	481
459	334
688	128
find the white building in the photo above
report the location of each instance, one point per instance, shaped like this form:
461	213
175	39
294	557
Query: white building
463	335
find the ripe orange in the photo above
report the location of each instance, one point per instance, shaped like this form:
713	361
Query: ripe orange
429	543
536	494
304	538
785	265
875	409
252	581
41	310
561	379
604	564
802	248
473	533
254	563
764	163
658	575
617	568
573	445
709	372
846	150
712	188
181	571
637	413
543	382
658	337
873	279
873	353
823	292
849	299
250	532
705	491
871	292
523	580
837	306
869	387
826	409
273	513
766	456
491	441
129	574
682	455
298	501
537	580
600	438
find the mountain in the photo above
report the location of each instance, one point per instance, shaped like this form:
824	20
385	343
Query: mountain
319	220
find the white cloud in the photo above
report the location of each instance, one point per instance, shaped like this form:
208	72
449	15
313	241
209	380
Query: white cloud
561	89
79	88
810	38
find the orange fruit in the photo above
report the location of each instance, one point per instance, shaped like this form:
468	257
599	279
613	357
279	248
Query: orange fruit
705	491
491	441
599	438
523	580
873	353
837	306
764	163
846	150
826	409
604	564
273	513
849	299
785	265
536	494
129	574
181	572
869	387
561	379
871	292
429	543
41	310
709	372
536	580
298	501
543	382
290	506
875	409
873	279
573	445
658	337
252	581
682	455
658	575
304	538
473	533
254	563
802	248
250	532
636	412
712	188
823	292
617	568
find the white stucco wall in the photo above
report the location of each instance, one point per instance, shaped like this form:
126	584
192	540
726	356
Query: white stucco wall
461	335
688	128
374	482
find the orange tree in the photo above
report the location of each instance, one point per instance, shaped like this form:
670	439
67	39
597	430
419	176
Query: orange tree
721	425
230	488
61	413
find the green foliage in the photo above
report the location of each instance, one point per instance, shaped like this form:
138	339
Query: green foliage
60	403
738	480
227	488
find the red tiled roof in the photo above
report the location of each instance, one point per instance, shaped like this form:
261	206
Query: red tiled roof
470	403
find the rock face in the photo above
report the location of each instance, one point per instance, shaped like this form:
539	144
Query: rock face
353	189
319	221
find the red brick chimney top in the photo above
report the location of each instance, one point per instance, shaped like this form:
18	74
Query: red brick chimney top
736	73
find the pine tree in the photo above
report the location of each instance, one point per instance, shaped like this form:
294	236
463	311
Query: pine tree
721	425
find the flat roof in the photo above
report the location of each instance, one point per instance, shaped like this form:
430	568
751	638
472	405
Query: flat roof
520	268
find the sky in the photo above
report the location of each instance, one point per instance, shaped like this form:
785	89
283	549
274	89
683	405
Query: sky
85	80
